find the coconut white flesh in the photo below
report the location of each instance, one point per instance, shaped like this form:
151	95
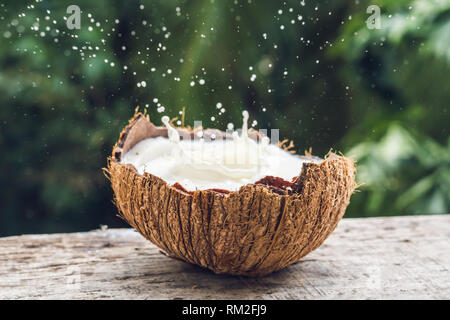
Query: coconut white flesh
220	164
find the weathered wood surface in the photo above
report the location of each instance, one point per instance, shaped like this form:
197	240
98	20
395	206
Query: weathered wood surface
376	258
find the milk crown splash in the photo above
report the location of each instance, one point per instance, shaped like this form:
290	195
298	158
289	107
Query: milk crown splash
199	164
237	158
173	134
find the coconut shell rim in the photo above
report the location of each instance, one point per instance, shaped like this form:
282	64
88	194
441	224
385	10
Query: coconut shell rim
272	183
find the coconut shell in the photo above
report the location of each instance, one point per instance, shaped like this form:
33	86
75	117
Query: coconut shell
261	228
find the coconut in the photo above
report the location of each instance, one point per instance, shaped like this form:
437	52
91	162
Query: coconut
260	228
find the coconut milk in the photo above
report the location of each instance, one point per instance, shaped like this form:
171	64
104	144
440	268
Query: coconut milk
221	164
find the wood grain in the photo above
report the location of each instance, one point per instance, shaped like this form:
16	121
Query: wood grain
372	258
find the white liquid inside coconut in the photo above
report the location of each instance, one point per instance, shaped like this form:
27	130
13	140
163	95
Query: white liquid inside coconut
219	164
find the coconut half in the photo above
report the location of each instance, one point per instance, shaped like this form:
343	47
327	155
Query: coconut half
260	228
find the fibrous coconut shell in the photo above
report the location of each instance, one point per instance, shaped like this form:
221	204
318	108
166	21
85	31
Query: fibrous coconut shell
261	228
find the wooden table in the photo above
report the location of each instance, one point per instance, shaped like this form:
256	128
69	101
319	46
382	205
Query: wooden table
371	258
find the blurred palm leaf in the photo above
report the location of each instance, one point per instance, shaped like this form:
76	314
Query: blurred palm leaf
403	173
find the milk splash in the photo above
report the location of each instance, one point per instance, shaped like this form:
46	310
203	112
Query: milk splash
213	162
238	158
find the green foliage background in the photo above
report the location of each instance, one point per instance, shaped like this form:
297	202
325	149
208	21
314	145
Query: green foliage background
380	96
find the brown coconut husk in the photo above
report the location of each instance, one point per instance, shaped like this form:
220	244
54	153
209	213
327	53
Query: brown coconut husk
259	229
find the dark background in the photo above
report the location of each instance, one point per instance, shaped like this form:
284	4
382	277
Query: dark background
324	79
